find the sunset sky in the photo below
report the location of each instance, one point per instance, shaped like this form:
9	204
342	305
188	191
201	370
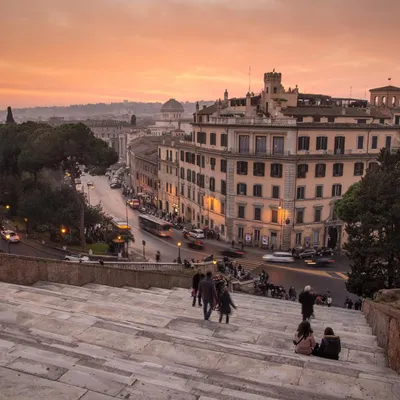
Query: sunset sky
59	52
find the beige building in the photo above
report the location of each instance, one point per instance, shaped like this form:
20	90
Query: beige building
269	174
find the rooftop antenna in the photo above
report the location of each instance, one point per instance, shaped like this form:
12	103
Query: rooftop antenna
249	78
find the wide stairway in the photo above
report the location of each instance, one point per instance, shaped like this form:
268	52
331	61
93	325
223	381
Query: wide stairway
100	343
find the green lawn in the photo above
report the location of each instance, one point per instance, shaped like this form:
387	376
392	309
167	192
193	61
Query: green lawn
97	248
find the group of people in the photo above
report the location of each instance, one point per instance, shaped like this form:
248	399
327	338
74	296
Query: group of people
349	304
212	294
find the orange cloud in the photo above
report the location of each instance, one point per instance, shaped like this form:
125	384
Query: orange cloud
69	51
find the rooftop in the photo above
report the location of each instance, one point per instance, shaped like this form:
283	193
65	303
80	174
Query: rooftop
388	88
172	106
102	343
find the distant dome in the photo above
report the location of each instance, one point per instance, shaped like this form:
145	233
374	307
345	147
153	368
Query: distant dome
172	106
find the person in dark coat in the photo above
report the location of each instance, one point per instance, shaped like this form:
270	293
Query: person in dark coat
330	346
307	303
207	293
225	303
195	287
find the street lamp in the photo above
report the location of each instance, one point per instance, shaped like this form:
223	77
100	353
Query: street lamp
7	207
282	216
179	253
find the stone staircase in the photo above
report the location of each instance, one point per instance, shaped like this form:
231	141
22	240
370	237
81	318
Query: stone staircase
98	342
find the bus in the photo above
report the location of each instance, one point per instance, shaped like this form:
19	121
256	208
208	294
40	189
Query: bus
155	225
120	226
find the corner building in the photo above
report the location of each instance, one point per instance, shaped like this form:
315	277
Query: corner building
270	175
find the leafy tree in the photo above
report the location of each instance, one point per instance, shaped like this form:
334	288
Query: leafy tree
371	210
9	118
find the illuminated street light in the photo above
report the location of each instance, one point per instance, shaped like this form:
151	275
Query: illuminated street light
8	207
179	253
63	231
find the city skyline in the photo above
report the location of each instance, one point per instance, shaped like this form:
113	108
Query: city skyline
61	53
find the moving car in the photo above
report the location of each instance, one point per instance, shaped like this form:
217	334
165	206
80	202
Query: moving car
233	253
308	253
76	258
324	251
10	236
279	257
115	184
90	183
195	244
320	262
133	203
197	233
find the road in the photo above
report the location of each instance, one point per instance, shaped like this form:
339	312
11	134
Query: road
297	274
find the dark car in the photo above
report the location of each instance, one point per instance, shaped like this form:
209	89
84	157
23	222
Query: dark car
234	253
324	251
320	262
196	244
115	185
307	253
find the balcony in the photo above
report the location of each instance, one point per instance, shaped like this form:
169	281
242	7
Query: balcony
253	121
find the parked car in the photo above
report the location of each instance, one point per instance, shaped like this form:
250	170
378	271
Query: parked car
10	236
76	258
115	184
233	253
279	257
320	262
195	244
324	251
308	253
197	233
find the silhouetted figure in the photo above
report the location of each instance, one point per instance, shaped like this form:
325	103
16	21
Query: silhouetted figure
9	118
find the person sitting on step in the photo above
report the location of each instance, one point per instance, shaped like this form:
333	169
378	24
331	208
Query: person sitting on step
304	339
330	346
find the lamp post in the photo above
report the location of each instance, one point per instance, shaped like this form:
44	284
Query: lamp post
63	231
282	216
179	253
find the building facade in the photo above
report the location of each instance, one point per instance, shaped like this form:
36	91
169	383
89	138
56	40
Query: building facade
270	175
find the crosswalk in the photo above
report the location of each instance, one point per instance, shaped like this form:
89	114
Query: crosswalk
250	264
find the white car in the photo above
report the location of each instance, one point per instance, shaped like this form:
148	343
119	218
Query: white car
10	236
77	258
89	184
279	257
197	233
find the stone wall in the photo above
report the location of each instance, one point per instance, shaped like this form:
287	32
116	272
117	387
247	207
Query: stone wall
385	323
28	270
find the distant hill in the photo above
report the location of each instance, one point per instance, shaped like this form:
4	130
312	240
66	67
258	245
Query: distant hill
121	110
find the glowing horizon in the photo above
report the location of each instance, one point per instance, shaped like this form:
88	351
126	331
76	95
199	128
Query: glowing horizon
60	52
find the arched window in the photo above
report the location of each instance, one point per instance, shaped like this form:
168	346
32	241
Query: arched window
384	100
394	101
275	90
376	101
266	90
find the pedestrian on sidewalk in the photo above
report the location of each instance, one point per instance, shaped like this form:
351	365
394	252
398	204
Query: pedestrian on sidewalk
225	303
307	300
207	293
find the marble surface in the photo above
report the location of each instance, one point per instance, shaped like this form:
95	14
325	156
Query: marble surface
99	343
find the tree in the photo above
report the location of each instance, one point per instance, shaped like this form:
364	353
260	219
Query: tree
371	211
9	118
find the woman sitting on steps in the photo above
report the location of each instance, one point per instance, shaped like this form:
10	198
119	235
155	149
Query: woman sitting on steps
304	339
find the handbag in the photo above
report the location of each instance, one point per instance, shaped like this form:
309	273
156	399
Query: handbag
297	343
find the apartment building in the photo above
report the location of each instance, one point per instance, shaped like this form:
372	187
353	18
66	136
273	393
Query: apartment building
270	175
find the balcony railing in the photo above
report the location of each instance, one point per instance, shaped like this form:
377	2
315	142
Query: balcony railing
253	121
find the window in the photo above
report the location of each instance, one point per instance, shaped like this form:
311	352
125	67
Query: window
358	168
224	140
373	166
299	216
299	119
360	142
320	170
275	192
261	144
222	208
244	143
193	177
198	159
182	173
317	215
182	155
303	143
278	145
274	238
298	238
382	120
223	165
213	139
301	190
241	167
188	192
315	237
201	137
322	143
338	169
203	162
200	180
182	189
223	187
212	184
361	121
259	169
242	189
257	191
276	170
336	190
319	191
274	216
339	145
211	204
241	211
240	232
257	213
212	163
189	175
257	235
388	142
302	170
331	119
317	119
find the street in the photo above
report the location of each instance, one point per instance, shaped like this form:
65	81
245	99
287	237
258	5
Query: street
297	274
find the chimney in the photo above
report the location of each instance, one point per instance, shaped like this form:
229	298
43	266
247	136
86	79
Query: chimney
218	108
226	98
248	105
